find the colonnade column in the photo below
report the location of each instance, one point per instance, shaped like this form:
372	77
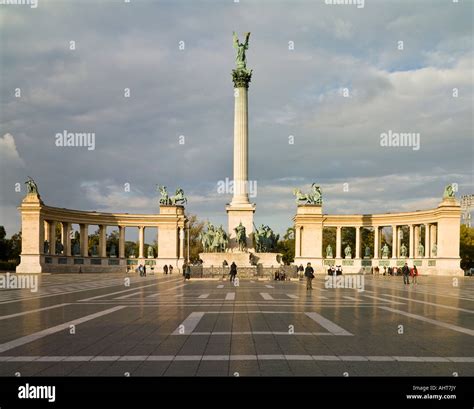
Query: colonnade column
427	241
121	241
52	237
394	241
433	238
65	239
102	241
416	241
181	242
399	239
338	241
46	234
84	245
357	249
297	242
376	241
411	247
141	240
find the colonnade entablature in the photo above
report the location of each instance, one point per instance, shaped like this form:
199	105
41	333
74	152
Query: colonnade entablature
44	250
428	239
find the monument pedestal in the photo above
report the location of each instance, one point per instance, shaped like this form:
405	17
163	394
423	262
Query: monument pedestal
242	259
236	214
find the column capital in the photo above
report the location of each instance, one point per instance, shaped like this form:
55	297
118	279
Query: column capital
241	78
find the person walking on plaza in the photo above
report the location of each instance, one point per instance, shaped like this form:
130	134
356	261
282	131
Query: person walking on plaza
414	275
170	269
406	274
300	271
233	271
309	274
187	272
144	270
165	269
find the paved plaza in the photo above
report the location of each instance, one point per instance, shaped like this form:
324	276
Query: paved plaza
93	324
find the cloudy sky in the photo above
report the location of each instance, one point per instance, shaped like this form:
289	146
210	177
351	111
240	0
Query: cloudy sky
334	77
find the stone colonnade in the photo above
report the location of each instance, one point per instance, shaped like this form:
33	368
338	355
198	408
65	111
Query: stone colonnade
40	253
439	254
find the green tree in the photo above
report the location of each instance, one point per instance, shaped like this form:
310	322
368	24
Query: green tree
286	246
196	227
5	246
15	247
466	247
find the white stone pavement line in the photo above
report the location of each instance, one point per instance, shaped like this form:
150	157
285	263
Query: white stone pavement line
384	299
4	317
261	333
202	296
164	291
295	297
116	292
431	321
41	334
230	296
410	289
127	296
327	324
153	304
430	303
20	299
220	286
266	296
350	298
269	286
168	358
189	324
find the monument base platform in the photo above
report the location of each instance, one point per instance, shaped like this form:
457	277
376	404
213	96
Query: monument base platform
242	259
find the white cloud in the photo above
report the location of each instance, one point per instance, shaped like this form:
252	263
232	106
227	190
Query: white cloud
8	153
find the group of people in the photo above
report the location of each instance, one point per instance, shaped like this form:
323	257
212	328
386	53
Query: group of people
335	271
408	272
141	269
280	275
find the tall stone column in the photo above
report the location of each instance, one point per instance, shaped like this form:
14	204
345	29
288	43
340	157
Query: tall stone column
357	249
411	247
141	240
121	241
338	241
394	241
240	210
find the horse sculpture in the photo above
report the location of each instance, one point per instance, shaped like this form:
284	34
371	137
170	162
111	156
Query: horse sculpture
179	198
